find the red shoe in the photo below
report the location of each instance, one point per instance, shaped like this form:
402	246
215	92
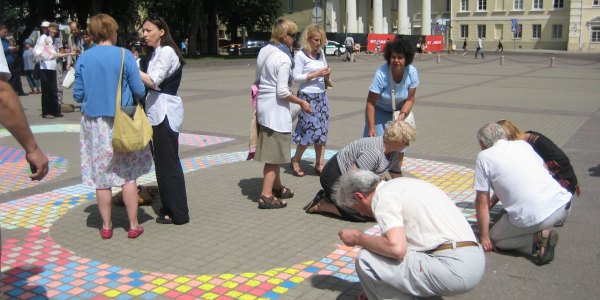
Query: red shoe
106	233
133	233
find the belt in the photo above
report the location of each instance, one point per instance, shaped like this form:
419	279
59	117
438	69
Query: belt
457	245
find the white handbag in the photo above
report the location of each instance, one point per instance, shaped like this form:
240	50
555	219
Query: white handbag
69	78
410	118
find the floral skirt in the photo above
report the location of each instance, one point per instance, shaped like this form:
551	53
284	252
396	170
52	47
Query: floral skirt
312	128
101	168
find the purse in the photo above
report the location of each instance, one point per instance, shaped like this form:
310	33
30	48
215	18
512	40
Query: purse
129	133
410	118
328	82
69	78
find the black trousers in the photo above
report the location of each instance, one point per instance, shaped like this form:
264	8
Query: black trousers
50	105
169	173
15	79
329	177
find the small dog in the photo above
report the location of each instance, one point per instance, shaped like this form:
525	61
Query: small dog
146	195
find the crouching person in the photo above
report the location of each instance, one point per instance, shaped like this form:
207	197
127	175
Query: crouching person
427	247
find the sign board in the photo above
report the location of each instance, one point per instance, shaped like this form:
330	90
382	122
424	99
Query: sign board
382	38
514	23
435	43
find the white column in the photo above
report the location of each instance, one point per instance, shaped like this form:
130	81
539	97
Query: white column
351	24
403	26
426	18
377	16
332	9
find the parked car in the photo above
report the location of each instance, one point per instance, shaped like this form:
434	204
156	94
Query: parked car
252	47
334	48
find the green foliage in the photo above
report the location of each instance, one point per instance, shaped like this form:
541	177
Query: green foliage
255	15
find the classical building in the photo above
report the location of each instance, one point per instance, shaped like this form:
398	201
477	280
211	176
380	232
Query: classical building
572	25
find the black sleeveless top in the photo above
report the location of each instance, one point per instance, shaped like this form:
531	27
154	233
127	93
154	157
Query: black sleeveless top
171	84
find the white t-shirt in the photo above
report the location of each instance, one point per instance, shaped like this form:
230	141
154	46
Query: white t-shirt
164	63
428	216
4	71
47	64
518	177
273	70
304	65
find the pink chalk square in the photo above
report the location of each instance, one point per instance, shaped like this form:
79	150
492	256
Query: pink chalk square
103	266
50	294
11	241
43	256
266	286
52	259
195	292
76	291
102	273
325	272
81	268
319	265
56	276
220	290
100	289
262	278
101	280
347	271
84	260
147	278
79	274
62	262
340	263
283	276
333	256
257	292
26	251
172	294
78	282
193	283
147	287
170	276
217	281
15	271
21	257
224	297
304	274
125	279
125	272
124	288
27	295
243	288
186	297
54	284
171	285
239	279
340	251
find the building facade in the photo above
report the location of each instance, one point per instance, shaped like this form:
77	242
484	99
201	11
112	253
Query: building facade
572	25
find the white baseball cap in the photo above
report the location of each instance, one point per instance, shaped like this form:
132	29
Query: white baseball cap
45	24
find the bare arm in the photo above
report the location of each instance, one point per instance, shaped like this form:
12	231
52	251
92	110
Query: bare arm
370	111
392	244
408	104
147	80
13	119
482	205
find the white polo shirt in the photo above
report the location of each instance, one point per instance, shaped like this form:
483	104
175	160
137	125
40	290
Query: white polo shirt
518	177
4	71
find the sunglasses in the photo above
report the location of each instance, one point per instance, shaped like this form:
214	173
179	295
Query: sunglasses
291	35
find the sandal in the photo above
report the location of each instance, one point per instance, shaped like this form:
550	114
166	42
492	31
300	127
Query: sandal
317	169
283	193
314	202
545	247
297	172
270	202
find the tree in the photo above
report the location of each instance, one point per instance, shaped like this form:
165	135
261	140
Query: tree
254	15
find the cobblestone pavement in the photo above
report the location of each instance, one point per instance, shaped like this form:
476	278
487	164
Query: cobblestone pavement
232	250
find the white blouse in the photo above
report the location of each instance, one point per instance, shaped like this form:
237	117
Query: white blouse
164	63
304	65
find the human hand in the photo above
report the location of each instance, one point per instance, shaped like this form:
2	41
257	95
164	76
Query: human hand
325	71
487	244
372	132
38	163
305	107
349	236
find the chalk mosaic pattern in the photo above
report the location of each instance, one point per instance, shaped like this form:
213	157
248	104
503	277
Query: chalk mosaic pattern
35	267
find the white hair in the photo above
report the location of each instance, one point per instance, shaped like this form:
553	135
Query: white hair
490	133
356	180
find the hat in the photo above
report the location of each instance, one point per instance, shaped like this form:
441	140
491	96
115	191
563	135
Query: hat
45	24
28	41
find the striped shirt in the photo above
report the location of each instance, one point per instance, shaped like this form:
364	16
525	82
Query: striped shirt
368	154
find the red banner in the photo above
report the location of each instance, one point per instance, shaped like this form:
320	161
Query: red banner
382	38
435	43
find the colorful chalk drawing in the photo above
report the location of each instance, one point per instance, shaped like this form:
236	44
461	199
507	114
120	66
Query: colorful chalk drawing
35	267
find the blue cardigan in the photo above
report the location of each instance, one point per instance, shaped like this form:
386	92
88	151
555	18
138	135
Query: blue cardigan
97	76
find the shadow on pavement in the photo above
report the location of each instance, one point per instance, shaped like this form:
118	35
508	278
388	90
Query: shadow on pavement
594	171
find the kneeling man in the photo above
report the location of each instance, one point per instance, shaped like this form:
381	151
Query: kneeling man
426	248
533	200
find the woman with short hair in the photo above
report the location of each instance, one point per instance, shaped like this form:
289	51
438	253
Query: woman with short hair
101	167
274	67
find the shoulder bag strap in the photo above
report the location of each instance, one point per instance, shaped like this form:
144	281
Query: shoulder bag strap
392	88
120	82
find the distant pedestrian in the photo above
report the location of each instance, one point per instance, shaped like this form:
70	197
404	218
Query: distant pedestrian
11	49
479	48
28	66
464	47
349	43
500	47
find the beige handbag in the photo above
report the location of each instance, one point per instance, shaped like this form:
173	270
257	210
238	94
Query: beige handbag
410	118
129	133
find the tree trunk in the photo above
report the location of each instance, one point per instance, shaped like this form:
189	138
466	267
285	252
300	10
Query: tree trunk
96	7
194	26
211	10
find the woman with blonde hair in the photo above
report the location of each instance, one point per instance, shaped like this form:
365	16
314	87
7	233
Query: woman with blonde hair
273	75
310	70
101	167
378	154
555	159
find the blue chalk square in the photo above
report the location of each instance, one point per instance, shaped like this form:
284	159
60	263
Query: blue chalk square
113	284
90	277
288	284
67	279
332	268
136	283
312	269
136	275
271	295
64	287
113	276
114	269
72	265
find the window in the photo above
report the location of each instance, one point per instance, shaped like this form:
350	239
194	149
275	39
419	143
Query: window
536	31
464	31
290	6
464	5
538	4
518	5
481	31
596	3
519	31
595	30
558	4
448	4
481	5
557	30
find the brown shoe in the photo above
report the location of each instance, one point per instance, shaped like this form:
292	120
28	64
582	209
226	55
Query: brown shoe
48	117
